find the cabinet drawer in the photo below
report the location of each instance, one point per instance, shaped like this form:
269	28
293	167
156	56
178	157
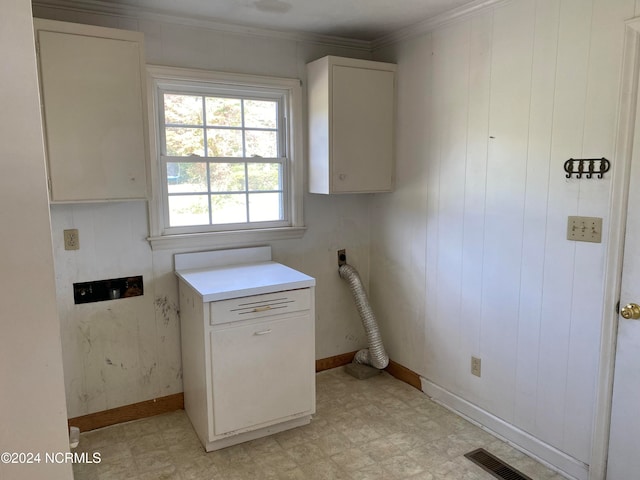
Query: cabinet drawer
258	306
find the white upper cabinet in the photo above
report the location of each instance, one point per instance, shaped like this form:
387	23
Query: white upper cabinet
351	125
92	87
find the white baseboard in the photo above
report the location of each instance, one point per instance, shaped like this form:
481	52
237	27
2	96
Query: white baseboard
519	439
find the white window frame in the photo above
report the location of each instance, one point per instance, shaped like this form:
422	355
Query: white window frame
196	81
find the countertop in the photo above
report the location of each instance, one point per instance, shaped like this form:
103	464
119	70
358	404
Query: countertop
243	280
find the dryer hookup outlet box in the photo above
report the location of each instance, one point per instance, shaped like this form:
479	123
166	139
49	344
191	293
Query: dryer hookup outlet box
111	289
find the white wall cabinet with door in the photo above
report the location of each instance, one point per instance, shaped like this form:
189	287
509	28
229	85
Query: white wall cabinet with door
351	125
93	102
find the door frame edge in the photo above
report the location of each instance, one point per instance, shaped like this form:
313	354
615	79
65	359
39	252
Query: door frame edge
624	143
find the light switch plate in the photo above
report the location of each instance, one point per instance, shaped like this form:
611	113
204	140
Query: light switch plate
585	229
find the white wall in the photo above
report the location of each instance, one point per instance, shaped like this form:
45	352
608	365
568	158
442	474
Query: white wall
469	255
121	352
32	403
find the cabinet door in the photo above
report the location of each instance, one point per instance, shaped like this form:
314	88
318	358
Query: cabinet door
362	129
93	116
262	372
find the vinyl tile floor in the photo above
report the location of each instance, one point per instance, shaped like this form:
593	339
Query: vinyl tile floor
379	428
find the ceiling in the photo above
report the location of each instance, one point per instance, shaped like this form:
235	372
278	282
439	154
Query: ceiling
365	20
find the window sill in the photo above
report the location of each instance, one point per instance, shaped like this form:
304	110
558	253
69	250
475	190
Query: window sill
225	239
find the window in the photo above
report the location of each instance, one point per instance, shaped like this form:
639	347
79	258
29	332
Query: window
227	156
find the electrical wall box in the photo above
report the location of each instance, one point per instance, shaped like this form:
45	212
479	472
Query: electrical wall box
585	229
342	257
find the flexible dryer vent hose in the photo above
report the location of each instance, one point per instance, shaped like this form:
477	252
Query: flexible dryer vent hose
375	355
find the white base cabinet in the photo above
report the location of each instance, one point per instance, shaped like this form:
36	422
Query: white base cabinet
248	364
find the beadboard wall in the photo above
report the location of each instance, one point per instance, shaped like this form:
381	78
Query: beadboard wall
469	256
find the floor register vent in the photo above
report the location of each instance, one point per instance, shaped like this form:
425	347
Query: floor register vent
494	465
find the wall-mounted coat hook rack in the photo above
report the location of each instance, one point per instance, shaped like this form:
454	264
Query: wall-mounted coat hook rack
587	167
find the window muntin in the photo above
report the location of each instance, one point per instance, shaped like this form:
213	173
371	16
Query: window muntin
223	159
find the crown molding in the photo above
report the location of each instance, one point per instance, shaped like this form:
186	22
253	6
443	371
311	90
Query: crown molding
464	11
126	11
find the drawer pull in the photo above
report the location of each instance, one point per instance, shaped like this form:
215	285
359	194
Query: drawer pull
263	332
262	309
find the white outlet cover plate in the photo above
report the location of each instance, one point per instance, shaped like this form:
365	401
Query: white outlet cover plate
71	239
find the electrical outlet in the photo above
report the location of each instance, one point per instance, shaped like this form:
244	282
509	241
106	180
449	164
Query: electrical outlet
476	366
584	229
71	239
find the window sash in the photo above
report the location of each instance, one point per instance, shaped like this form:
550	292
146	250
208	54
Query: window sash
243	94
279	98
246	191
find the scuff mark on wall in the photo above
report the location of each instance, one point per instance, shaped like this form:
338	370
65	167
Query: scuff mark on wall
85	333
167	309
146	376
352	338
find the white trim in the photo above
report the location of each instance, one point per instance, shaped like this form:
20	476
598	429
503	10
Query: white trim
126	11
429	24
517	438
160	75
225	239
628	110
42	24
